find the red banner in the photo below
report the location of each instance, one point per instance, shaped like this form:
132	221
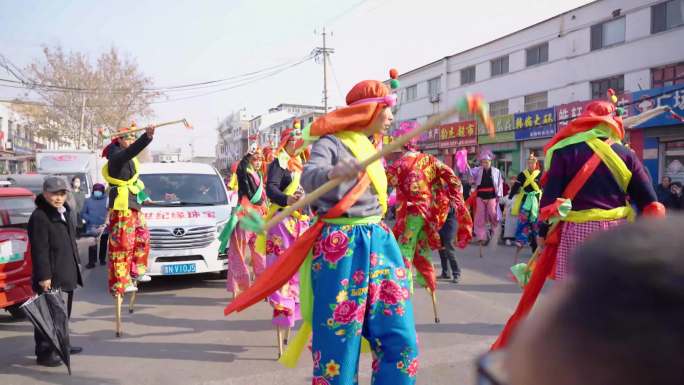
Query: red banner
460	134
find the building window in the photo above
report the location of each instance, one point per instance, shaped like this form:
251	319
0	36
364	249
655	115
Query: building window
498	108
608	33
411	93
536	101
537	54
434	86
667	75
468	75
499	66
667	15
600	87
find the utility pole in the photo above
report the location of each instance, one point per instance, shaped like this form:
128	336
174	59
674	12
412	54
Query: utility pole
80	132
324	52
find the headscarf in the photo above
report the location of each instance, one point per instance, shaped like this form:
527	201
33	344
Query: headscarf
411	145
486	155
364	103
292	163
116	140
597	112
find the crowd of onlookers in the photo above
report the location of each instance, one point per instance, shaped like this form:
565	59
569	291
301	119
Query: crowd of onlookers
670	194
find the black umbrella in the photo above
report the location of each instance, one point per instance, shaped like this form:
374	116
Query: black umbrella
48	313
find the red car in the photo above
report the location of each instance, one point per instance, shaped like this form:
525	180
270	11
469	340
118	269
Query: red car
16	206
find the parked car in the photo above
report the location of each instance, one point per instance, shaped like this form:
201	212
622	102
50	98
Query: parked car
16	206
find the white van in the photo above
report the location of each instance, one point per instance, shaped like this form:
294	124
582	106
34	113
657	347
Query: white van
189	208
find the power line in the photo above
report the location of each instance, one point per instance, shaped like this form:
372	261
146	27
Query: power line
233	86
22	83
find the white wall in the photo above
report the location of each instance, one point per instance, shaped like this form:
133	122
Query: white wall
571	66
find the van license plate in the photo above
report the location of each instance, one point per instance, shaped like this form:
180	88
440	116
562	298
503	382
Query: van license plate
185	268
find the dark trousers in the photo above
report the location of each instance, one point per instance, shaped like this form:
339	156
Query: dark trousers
448	253
44	349
92	250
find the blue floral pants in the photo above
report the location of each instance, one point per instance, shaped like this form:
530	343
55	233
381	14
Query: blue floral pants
361	288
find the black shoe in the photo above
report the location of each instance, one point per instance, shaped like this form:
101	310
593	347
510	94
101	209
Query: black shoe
51	361
444	276
90	266
75	350
102	263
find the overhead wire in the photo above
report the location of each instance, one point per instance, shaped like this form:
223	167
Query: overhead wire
22	83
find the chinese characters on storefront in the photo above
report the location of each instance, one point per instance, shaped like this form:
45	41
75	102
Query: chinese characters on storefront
459	135
672	97
535	124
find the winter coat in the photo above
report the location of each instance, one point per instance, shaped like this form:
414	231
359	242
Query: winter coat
120	166
94	211
54	253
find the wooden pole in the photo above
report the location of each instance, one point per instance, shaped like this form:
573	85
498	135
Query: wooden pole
118	300
386	150
131	305
122	133
434	305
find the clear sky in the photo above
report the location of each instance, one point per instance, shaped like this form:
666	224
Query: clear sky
178	42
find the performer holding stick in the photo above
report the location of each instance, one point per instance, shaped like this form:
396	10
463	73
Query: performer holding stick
283	189
129	244
250	187
354	282
590	184
426	189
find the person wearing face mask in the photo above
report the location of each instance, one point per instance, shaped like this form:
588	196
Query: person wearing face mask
94	214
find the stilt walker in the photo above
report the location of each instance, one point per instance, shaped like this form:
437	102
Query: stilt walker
128	247
355	286
488	184
238	241
283	189
527	194
591	181
426	189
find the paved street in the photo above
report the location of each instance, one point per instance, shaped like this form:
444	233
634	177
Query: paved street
178	334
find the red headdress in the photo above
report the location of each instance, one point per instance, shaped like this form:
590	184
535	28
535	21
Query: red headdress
115	140
595	113
364	103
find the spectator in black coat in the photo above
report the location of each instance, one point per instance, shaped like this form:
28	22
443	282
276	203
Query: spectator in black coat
54	255
664	192
677	197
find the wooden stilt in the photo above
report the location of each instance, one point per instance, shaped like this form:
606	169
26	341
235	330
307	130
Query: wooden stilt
279	334
118	301
434	305
131	305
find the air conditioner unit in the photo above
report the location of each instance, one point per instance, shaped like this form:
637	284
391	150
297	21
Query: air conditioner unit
434	98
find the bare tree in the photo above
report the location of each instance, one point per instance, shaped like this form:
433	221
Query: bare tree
81	97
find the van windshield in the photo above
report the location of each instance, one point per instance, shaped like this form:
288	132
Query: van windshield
16	211
184	189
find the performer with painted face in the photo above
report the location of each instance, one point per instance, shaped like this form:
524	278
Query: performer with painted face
527	194
488	184
283	189
426	190
251	191
129	244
